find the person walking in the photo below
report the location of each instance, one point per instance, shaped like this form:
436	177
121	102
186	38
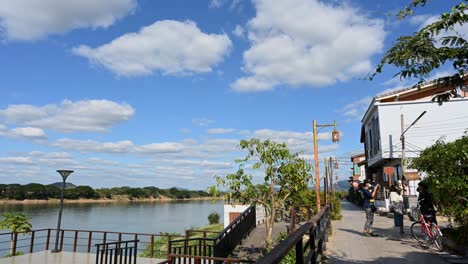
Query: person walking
396	203
369	206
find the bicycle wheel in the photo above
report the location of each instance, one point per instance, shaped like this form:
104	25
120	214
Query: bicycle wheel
437	237
415	213
418	233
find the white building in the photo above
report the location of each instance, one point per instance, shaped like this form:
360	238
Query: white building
382	128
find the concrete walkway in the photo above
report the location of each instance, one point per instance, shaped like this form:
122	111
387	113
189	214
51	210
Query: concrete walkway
252	247
348	245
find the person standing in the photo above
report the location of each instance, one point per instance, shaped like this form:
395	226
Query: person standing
396	202
369	206
426	203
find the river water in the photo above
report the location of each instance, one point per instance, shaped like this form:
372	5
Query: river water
137	217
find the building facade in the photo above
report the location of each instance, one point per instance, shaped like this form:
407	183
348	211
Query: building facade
389	115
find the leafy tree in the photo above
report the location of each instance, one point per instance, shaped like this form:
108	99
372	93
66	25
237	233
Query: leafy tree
284	173
213	218
16	223
446	165
418	55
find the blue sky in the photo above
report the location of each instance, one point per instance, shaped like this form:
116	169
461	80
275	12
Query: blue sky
140	93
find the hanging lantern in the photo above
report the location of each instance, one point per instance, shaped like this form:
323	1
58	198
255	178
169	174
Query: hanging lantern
336	136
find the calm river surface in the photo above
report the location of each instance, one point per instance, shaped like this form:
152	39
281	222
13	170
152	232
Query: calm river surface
138	217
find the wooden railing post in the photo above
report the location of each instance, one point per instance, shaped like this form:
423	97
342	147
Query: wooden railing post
15	240
299	252
104	237
31	246
47	239
152	246
169	245
90	237
75	241
61	240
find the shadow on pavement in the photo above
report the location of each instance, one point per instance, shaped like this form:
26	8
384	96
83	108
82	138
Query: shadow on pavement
412	257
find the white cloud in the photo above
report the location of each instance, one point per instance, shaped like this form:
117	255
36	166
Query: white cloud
202	121
217	131
16	160
216	3
356	109
28	132
310	44
238	31
79	116
165	147
86	146
168	46
35	19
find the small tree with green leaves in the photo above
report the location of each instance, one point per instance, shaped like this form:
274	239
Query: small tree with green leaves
16	223
284	173
446	165
420	54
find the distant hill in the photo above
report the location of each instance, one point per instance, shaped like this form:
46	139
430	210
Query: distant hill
343	185
68	185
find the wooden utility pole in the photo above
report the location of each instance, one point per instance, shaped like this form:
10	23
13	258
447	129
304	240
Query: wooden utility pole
335	138
317	173
325	180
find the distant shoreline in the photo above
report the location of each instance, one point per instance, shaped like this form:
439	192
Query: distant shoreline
118	200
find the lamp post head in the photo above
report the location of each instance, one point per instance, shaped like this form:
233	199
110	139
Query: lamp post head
65	173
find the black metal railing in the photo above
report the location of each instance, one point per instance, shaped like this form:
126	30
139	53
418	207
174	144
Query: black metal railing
311	251
220	246
228	239
122	252
187	259
71	240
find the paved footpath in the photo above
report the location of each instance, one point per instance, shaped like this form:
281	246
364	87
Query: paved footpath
348	245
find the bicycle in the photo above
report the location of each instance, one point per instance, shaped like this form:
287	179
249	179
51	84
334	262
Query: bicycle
284	214
425	232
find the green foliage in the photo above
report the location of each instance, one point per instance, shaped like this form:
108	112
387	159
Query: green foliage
16	223
418	55
335	203
284	173
213	218
446	165
290	258
18	253
44	192
160	246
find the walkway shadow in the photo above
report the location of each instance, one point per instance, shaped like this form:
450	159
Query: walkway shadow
347	205
350	231
412	257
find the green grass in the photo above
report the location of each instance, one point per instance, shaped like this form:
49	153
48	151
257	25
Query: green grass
160	243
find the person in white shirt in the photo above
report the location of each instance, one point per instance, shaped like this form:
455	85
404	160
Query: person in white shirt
396	203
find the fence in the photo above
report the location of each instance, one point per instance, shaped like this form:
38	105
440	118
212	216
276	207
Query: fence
311	251
123	252
220	246
149	245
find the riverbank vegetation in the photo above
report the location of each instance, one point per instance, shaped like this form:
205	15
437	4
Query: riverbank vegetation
160	243
36	191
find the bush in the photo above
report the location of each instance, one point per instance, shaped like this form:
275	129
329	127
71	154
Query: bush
213	218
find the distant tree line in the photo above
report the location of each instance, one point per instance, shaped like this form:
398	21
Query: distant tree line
44	192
